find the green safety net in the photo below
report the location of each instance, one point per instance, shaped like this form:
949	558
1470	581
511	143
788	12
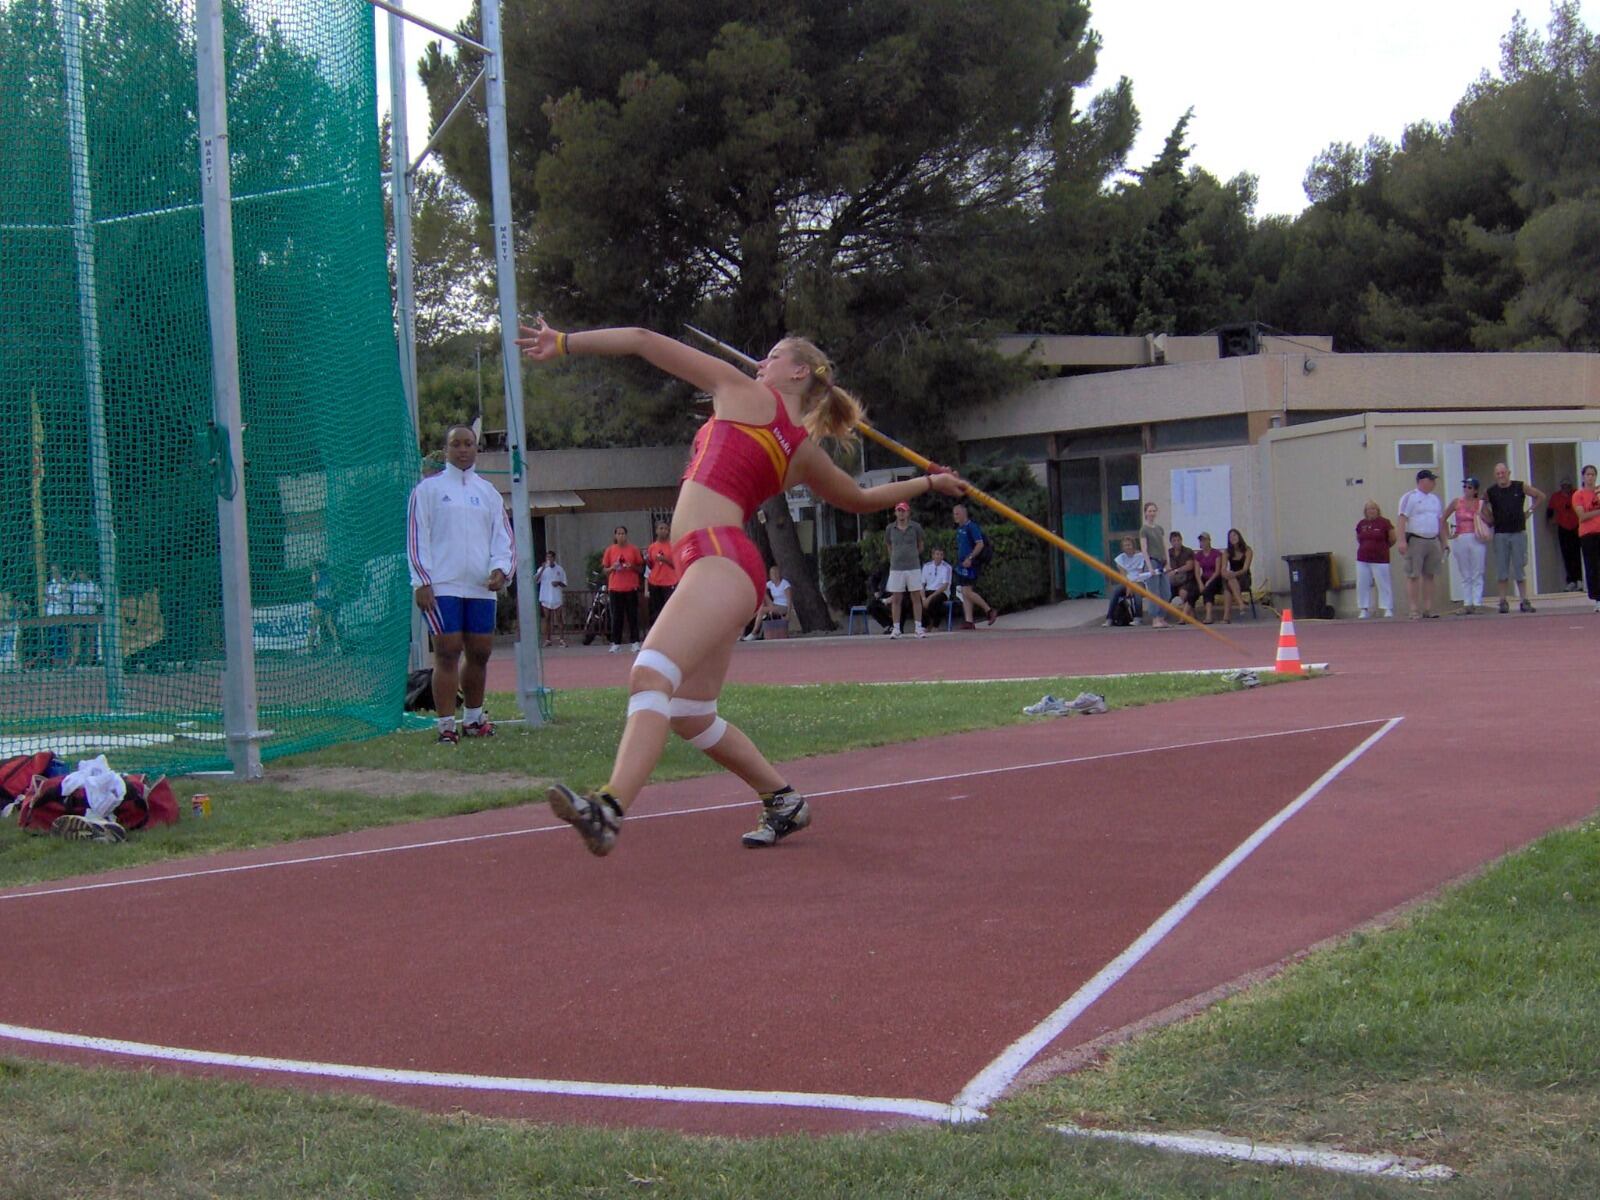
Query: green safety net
111	619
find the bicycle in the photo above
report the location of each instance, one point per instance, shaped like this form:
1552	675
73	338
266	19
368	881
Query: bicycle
598	620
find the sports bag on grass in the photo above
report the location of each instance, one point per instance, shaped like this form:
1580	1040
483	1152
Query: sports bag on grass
144	804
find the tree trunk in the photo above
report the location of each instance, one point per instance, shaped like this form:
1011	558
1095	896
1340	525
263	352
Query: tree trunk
784	542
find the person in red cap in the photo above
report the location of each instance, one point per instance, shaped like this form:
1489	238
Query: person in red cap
904	538
762	438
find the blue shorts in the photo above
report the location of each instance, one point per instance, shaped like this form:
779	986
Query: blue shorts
453	614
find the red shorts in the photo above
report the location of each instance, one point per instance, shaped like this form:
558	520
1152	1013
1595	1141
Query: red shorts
723	541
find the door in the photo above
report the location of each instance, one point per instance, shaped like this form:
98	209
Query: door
1082	522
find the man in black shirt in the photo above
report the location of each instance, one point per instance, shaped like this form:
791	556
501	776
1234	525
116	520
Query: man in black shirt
1508	502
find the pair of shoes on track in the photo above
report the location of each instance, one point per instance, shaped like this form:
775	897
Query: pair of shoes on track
87	829
597	816
1088	703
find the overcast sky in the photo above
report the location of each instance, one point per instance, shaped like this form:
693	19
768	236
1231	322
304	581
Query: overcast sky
1270	84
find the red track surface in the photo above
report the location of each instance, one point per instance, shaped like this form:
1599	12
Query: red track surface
894	949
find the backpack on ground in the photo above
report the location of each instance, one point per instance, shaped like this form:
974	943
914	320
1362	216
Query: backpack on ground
1122	611
144	804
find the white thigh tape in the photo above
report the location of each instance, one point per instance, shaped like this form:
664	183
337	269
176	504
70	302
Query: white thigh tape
693	708
656	702
712	735
662	665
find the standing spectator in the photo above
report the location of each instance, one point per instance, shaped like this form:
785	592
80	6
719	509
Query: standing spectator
57	605
1237	559
623	567
1421	525
1153	541
552	580
1181	573
1586	503
969	545
904	537
937	580
663	576
459	537
1560	511
86	598
1134	564
775	607
324	608
1208	573
1508	501
1374	536
1467	520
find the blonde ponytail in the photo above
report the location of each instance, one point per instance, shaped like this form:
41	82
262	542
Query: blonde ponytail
829	412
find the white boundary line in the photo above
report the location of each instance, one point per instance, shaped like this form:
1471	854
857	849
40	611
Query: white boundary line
990	1083
926	1110
1215	1145
678	812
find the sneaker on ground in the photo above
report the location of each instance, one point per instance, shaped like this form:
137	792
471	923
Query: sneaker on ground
1048	706
1088	702
966	625
921	631
780	816
87	829
448	737
1504	607
1388	612
1362	615
993	616
615	647
1527	606
595	815
895	632
483	728
636	647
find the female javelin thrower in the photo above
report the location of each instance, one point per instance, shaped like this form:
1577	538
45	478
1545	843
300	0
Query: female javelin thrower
762	437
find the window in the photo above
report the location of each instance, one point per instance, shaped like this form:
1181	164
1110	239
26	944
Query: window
1416	454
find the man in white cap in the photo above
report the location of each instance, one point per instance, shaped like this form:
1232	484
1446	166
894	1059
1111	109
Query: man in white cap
1421	524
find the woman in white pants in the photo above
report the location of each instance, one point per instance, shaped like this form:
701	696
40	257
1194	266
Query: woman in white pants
1467	518
1374	537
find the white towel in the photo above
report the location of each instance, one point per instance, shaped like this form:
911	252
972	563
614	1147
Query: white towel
103	788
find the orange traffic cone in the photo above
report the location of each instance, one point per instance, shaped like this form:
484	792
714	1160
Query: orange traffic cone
1288	649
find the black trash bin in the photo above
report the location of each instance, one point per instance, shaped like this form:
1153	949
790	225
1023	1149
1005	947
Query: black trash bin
1310	576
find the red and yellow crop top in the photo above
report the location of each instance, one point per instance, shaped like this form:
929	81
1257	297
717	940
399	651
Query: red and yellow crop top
745	463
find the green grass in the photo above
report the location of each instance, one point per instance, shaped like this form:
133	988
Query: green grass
786	722
1465	1035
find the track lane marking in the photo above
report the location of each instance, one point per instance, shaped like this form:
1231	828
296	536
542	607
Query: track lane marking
990	1083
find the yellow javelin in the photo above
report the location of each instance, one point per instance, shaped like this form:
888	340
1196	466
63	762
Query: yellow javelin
999	506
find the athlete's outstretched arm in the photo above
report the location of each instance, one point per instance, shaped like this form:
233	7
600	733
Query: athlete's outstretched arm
841	491
541	343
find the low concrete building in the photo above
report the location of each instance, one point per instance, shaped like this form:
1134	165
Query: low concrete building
1284	442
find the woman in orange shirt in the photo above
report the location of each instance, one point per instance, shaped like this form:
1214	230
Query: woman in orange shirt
1586	503
663	576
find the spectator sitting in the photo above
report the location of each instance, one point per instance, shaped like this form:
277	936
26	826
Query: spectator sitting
1208	573
1181	573
1237	558
878	597
776	606
1135	566
937	579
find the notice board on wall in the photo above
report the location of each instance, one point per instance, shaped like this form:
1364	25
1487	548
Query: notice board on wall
1202	502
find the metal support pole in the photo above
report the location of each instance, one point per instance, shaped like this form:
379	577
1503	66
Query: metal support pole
89	335
404	276
239	715
529	669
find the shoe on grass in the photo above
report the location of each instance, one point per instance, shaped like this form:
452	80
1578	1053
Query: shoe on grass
1048	706
595	815
86	829
477	729
1088	703
448	737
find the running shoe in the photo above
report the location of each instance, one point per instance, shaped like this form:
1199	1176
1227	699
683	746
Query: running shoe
87	829
1088	703
448	737
993	616
1048	706
1504	607
784	813
595	815
966	625
895	632
1526	606
921	632
483	728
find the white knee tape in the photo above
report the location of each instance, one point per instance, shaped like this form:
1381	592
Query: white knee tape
712	735
661	665
656	702
693	708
